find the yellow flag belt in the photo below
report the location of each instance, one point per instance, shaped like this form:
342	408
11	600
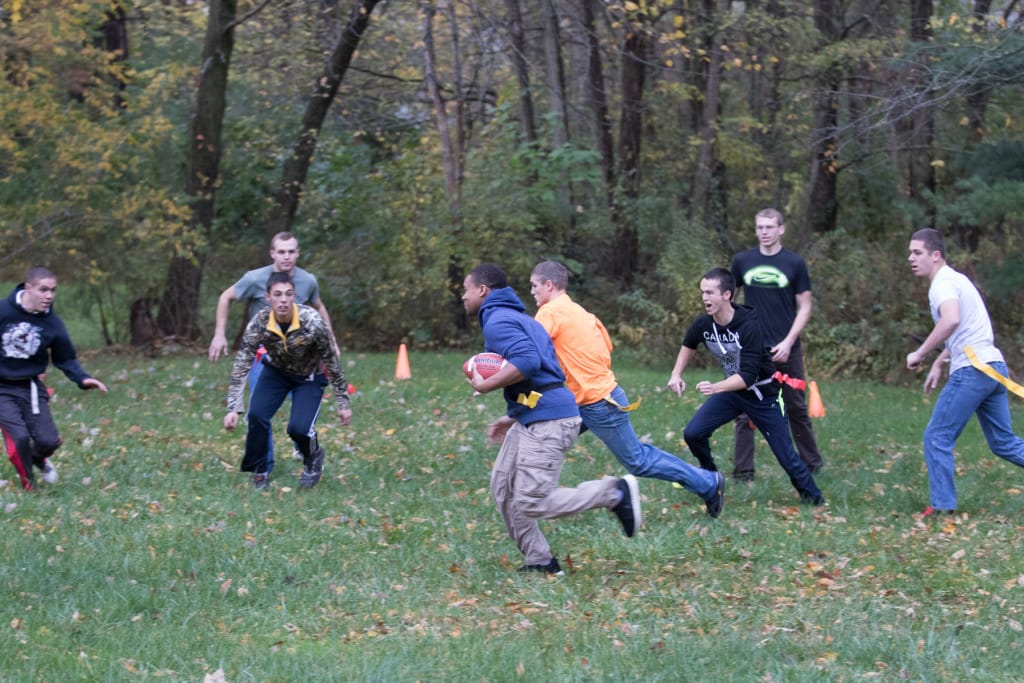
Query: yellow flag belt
988	370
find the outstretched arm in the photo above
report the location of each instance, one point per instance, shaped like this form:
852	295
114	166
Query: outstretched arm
93	383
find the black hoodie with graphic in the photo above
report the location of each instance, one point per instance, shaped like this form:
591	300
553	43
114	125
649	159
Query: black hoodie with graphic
739	347
29	341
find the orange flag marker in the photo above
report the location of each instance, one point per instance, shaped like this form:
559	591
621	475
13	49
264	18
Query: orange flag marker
815	408
402	366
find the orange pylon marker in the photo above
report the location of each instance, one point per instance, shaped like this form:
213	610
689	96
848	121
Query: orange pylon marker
815	408
402	366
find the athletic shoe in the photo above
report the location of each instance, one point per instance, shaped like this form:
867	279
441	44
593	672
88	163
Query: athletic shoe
745	475
628	509
551	567
812	500
49	472
716	500
313	469
933	512
261	481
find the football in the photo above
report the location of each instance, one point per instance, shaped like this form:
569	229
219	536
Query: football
485	363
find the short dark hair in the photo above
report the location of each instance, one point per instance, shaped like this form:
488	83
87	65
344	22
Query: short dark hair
554	271
932	239
489	275
279	277
726	282
37	273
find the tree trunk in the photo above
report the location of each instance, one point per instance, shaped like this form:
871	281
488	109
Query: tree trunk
450	155
822	204
296	166
597	99
180	302
707	172
520	64
627	246
919	117
977	100
559	111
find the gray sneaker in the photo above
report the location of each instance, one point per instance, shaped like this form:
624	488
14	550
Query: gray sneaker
261	481
49	472
312	469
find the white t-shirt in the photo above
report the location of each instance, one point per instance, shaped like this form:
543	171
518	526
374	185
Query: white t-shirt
975	328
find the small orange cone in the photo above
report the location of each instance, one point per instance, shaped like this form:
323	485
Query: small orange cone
815	408
402	366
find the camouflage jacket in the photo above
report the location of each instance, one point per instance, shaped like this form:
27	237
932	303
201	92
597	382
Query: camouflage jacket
302	350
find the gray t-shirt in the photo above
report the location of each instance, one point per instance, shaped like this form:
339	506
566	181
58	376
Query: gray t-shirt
975	328
252	287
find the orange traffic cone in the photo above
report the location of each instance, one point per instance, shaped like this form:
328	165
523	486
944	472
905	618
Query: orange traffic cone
815	408
402	366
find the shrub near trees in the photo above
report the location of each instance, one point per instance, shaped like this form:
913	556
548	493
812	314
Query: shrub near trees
635	141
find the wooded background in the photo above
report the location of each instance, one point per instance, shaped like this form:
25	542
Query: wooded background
149	149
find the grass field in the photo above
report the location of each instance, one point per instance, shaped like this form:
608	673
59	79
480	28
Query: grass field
152	559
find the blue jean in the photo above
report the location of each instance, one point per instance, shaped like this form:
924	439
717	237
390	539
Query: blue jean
766	412
271	391
968	391
613	427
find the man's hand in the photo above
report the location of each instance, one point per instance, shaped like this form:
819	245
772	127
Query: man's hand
477	382
707	388
780	352
934	375
93	383
677	384
218	347
497	430
914	359
230	421
345	416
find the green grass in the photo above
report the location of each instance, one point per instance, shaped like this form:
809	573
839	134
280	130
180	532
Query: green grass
153	560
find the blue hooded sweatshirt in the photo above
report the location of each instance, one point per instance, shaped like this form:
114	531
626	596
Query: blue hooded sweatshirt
523	342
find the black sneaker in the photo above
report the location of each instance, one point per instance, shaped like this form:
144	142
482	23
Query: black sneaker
744	475
313	469
628	509
551	567
261	481
716	500
812	500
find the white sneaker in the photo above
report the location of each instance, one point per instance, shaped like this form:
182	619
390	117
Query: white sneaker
49	472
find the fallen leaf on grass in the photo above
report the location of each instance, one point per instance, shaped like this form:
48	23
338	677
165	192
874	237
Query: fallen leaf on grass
789	512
